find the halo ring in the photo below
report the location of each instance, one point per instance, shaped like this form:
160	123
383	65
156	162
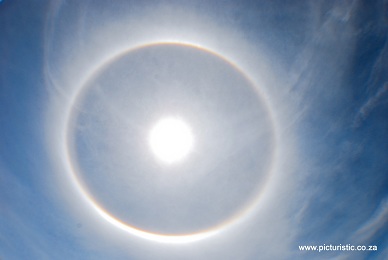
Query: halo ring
91	201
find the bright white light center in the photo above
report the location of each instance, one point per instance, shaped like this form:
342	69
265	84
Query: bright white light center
171	140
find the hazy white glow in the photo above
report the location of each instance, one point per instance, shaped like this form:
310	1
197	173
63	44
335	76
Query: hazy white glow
65	152
171	140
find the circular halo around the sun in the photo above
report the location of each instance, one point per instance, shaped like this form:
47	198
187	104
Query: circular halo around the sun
171	140
119	126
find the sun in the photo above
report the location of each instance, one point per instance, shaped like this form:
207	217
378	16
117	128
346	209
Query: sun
171	140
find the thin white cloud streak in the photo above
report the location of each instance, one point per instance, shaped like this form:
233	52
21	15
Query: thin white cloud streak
370	104
364	235
377	220
375	90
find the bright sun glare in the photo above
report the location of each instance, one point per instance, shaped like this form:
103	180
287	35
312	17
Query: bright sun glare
171	140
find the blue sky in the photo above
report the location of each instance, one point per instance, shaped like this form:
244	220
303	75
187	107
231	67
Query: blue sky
287	101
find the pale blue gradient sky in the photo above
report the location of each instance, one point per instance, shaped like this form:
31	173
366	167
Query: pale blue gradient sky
321	69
